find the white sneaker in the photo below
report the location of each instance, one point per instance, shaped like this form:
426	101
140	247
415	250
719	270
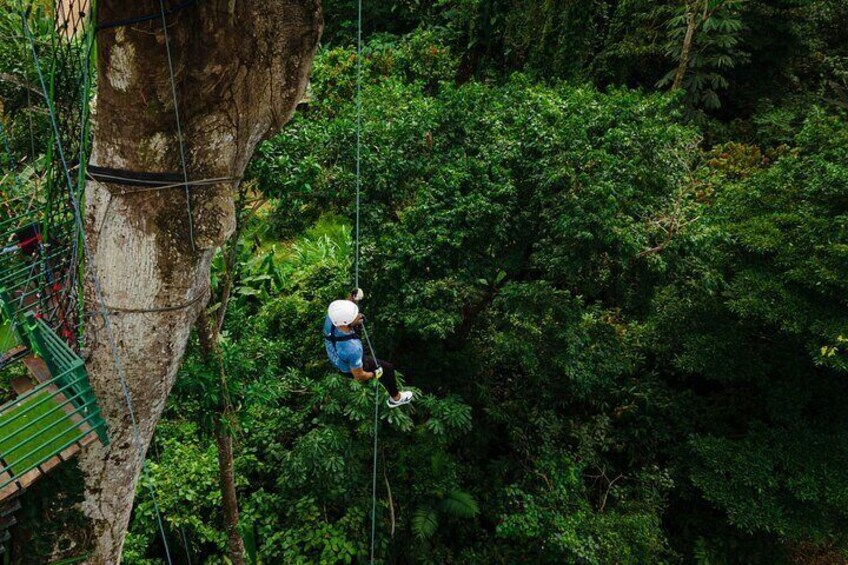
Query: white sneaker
405	398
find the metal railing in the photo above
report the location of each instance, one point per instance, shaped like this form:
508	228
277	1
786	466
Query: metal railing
72	416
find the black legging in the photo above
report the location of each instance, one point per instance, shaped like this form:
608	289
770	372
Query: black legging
388	379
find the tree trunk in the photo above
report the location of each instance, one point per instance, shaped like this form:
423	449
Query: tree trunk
686	48
240	69
227	484
207	331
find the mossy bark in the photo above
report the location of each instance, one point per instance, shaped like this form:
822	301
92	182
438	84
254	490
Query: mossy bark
240	69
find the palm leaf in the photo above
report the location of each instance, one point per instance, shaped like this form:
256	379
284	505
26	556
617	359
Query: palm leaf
460	504
425	521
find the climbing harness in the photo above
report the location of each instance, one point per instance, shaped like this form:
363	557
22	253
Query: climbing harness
334	338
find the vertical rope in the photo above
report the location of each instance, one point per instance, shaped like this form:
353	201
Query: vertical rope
356	268
376	437
374	471
179	125
116	357
155	445
29	119
376	433
358	135
183	166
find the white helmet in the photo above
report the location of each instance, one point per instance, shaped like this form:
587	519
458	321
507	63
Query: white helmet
342	312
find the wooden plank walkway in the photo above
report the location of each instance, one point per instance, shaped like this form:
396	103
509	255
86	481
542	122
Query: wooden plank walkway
12	355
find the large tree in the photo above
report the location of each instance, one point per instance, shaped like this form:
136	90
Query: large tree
240	68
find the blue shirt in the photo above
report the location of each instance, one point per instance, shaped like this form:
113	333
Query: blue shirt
344	355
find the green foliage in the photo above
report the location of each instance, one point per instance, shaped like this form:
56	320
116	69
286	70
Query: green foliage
425	522
459	504
22	107
527	313
623	313
613	374
715	29
636	332
743	52
786	481
185	481
559	525
763	314
303	442
790	228
549	38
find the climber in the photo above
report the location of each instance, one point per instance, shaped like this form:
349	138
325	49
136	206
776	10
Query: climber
344	349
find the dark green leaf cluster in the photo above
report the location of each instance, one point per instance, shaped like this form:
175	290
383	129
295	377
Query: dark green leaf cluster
630	347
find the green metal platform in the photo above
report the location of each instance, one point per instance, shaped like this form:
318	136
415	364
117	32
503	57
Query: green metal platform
53	420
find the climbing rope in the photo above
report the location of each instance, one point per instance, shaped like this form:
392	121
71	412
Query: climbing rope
179	125
374	462
182	150
74	201
155	445
358	136
356	271
160	309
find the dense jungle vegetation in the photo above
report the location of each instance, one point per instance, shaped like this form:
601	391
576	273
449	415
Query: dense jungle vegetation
614	268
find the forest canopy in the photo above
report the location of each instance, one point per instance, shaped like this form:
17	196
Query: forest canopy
620	294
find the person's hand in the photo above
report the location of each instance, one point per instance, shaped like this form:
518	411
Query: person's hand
358	320
378	372
356	295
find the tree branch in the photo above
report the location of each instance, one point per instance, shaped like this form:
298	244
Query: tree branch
389	492
20	83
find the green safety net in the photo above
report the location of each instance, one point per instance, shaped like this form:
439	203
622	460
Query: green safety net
43	170
45	141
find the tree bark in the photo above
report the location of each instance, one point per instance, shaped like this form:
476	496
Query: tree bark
240	69
686	48
227	483
207	331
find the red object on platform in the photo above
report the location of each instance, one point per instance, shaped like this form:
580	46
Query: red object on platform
29	239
